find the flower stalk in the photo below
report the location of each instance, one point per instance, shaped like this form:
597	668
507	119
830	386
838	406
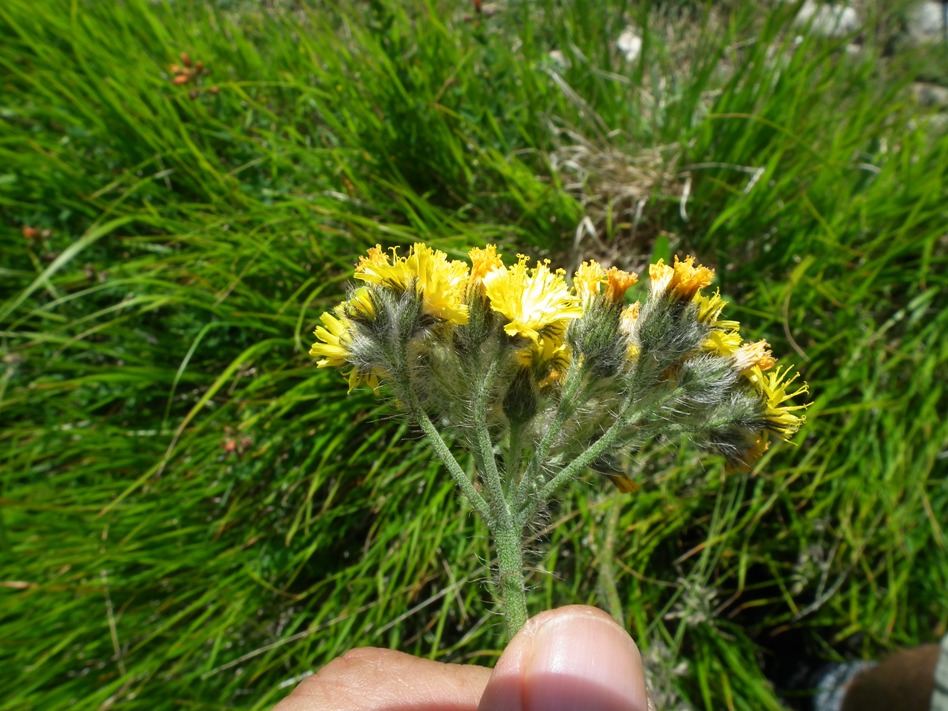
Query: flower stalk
541	379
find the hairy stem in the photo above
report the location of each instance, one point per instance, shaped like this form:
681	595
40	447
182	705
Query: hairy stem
510	580
457	473
507	530
410	397
565	408
593	452
495	486
607	561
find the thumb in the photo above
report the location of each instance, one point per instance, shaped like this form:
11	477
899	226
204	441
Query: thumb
572	658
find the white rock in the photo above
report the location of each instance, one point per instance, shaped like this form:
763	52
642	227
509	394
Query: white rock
930	94
828	20
927	22
630	44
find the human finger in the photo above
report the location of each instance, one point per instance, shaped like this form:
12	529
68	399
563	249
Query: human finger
370	679
571	658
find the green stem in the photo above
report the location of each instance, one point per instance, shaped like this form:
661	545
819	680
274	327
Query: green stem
457	473
573	381
571	470
495	486
507	531
623	420
607	561
513	589
409	396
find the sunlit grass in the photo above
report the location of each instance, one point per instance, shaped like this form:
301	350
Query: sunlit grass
192	513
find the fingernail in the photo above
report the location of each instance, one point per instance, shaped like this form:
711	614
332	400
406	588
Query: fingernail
584	660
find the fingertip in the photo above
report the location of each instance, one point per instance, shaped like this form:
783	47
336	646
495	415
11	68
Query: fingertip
576	657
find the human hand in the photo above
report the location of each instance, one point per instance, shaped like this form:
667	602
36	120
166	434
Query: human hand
575	658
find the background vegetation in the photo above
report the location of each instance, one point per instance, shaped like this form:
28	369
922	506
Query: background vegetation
193	515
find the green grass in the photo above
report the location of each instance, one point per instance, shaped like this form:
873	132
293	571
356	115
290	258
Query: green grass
191	513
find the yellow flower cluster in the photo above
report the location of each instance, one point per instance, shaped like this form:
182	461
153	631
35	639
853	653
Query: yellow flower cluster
535	307
439	283
536	302
684	281
753	360
591	276
557	376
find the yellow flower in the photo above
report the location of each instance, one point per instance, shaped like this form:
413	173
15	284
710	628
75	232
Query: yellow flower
361	305
709	311
483	261
722	343
725	338
536	302
335	334
587	280
680	282
756	354
377	268
439	283
617	283
773	388
334	345
591	276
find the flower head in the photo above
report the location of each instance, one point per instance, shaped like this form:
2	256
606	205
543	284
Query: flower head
335	345
377	268
779	418
438	282
617	283
724	339
679	282
360	305
536	302
483	261
721	342
774	389
709	311
754	355
591	276
334	340
587	280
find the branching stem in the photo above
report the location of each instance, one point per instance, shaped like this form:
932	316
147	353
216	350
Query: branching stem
573	469
574	377
507	529
495	486
450	463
